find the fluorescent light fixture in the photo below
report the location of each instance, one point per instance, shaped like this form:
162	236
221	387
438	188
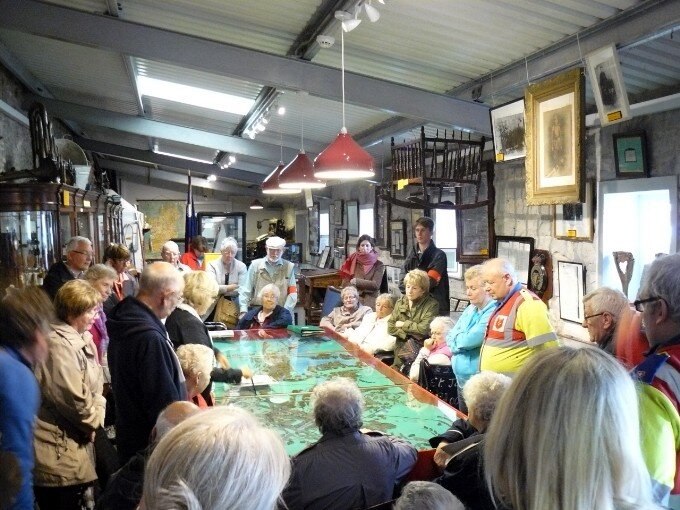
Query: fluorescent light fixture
211	178
281	110
193	95
182	156
232	159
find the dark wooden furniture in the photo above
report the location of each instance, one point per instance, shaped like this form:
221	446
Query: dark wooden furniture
312	284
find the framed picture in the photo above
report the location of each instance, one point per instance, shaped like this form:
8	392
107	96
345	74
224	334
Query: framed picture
340	238
382	211
325	259
507	126
554	139
572	283
398	239
606	81
313	229
574	222
338	210
473	235
630	154
352	217
518	251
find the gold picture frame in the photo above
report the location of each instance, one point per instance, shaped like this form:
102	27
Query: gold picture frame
555	123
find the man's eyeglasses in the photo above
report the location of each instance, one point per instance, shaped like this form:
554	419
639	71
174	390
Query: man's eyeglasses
594	315
86	253
639	302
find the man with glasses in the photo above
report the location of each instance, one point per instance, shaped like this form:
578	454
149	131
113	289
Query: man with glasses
170	254
145	372
659	373
79	256
603	308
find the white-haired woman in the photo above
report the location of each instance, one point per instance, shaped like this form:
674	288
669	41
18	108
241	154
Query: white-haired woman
197	362
229	272
220	458
534	459
348	315
434	349
459	449
268	315
372	335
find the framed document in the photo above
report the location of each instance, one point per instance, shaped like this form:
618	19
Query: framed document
571	276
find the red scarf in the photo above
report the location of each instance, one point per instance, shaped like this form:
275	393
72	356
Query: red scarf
367	260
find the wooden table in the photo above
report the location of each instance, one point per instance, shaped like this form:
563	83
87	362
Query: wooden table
312	285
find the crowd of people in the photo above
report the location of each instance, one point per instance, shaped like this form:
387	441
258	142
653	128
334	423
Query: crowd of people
547	426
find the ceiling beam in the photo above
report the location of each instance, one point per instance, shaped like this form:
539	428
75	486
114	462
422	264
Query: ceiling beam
153	128
115	34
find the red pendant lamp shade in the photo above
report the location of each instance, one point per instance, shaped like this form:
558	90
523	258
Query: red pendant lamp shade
299	174
344	159
270	185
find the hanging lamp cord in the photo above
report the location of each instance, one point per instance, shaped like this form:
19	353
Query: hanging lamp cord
342	64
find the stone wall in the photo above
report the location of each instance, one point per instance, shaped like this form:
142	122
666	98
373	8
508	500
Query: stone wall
15	139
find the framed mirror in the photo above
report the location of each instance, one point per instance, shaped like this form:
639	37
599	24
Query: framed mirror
518	251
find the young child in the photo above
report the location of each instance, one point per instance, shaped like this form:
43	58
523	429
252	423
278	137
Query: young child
435	350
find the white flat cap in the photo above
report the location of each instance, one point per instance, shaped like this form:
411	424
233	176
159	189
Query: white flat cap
275	242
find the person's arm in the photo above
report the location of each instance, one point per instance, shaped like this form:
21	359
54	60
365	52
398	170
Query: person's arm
472	336
157	365
405	457
356	321
437	268
420	324
283	319
392	328
245	291
291	298
373	283
328	321
212	270
532	320
381	340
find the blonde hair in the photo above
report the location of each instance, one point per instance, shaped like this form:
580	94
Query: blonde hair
196	360
200	290
98	272
419	278
74	298
565	436
473	272
220	458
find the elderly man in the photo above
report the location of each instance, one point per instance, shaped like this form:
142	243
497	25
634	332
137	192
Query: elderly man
124	489
346	468
660	374
79	256
426	256
170	254
145	373
602	309
269	269
518	327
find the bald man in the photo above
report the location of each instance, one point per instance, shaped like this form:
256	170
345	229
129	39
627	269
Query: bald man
145	372
170	254
518	327
124	489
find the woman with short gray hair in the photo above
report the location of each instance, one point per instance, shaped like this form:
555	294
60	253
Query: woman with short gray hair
269	315
228	271
348	315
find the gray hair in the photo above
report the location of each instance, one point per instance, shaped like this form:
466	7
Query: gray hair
532	458
387	298
421	495
170	246
444	323
483	391
196	359
73	243
347	290
173	415
270	287
229	242
220	458
337	405
158	277
663	281
99	271
605	299
501	267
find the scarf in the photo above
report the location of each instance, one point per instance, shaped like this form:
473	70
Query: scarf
367	260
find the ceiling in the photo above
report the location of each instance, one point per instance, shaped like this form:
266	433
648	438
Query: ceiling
438	63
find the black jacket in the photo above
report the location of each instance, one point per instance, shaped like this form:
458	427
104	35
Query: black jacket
433	259
145	373
56	276
280	318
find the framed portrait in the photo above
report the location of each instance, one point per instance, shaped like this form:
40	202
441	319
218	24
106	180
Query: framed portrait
507	125
604	72
340	238
338	211
313	229
630	155
555	123
382	211
574	222
352	217
572	284
398	239
518	251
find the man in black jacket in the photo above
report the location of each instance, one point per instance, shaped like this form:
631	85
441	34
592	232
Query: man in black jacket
79	256
145	372
426	256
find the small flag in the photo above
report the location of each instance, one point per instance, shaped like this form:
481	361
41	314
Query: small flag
191	224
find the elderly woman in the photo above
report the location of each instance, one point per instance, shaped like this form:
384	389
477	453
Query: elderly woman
101	277
269	315
372	335
220	458
533	460
346	468
118	257
349	315
72	406
410	320
461	459
197	362
194	255
363	270
466	337
420	495
184	325
434	349
229	272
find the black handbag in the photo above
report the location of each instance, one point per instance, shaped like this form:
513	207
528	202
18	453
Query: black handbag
439	380
408	353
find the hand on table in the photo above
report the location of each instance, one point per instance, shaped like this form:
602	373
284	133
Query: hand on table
222	360
246	371
262	333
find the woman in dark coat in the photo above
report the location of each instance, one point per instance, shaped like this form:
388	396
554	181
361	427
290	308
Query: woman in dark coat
268	316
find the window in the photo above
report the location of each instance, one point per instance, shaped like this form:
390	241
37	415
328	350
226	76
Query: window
324	230
445	238
366	221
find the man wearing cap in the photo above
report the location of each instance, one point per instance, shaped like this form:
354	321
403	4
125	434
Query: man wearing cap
269	269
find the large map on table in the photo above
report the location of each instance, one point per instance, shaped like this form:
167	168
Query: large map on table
394	405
